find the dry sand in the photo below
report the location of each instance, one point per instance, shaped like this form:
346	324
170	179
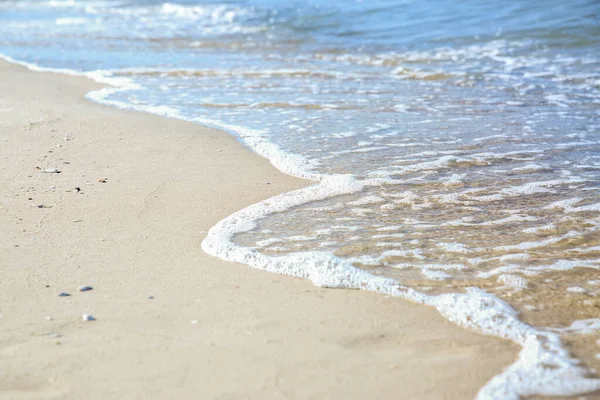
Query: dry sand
257	335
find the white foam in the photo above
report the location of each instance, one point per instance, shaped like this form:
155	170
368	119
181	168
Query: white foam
538	229
582	326
518	256
455	179
454	248
541	243
72	21
558	99
529	167
390	228
415	253
435	274
366	200
560	265
525	189
388	236
513	281
589	207
508	220
576	289
268	242
361	150
430	266
586	249
291	164
562	204
544	367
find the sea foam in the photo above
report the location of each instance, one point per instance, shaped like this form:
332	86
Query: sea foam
403	171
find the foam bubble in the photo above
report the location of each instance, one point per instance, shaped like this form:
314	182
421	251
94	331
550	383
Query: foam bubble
513	281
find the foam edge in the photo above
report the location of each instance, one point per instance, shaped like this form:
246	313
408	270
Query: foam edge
544	366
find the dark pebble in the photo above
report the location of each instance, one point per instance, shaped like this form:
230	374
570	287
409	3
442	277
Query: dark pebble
63	294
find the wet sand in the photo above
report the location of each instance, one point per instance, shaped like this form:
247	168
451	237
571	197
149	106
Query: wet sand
171	321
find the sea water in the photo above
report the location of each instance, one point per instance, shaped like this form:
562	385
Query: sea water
454	146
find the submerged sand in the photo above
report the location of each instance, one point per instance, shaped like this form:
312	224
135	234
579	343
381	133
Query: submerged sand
171	321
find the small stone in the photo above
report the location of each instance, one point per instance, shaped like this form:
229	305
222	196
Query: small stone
40	206
78	189
194	321
103	180
63	294
88	317
52	171
85	288
151	297
49	318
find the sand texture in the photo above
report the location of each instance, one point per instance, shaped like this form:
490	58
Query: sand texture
171	321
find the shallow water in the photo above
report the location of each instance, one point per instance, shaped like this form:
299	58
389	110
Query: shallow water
474	126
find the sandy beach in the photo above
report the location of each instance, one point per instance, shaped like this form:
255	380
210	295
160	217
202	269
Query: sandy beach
171	321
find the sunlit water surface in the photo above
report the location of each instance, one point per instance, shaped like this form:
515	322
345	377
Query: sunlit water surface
482	118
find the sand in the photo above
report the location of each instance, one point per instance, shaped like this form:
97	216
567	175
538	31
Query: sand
171	321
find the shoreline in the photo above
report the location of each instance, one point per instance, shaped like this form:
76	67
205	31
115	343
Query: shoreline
167	181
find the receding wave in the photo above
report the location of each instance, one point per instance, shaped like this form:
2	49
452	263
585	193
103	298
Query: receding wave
454	166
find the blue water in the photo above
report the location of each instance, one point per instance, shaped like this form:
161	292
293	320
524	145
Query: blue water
479	119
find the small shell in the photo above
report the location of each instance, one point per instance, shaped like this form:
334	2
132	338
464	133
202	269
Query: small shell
88	317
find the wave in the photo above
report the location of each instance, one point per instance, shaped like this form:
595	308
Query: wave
544	365
236	73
